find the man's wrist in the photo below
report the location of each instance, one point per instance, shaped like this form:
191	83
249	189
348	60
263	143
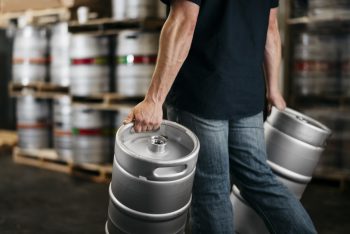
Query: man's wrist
153	99
273	89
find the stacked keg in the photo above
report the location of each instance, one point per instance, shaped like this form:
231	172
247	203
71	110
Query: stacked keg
90	139
345	65
59	52
141	8
120	116
29	55
89	71
136	57
294	143
63	127
33	122
137	9
315	64
162	11
329	8
153	174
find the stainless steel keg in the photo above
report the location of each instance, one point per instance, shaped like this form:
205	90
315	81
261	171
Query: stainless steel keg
118	9
90	140
315	64
89	71
63	127
345	65
152	181
294	143
136	57
137	9
29	55
59	53
328	9
33	122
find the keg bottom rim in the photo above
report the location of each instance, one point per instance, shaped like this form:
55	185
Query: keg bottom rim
147	216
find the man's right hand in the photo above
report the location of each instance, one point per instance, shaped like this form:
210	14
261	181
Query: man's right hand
147	116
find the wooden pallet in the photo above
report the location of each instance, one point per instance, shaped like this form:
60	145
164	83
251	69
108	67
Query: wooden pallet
107	101
8	140
49	160
36	17
37	89
334	175
310	100
107	26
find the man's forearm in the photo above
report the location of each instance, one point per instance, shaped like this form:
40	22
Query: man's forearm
175	42
272	59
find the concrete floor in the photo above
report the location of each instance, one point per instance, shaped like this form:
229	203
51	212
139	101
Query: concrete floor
34	201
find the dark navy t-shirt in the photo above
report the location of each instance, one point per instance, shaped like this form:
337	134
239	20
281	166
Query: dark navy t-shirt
222	77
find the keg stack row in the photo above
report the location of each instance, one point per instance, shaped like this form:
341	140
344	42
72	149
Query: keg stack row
329	8
83	62
321	64
79	134
323	9
87	66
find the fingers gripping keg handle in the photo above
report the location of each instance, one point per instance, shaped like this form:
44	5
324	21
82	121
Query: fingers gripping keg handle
132	130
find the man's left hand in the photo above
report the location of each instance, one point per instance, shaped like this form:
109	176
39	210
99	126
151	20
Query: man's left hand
275	98
147	116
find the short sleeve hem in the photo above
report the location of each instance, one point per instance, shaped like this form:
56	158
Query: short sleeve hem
274	3
168	2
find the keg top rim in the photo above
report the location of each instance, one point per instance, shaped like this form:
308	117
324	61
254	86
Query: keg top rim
190	134
305	120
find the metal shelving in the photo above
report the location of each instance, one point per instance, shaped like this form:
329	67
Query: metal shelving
318	19
330	108
107	26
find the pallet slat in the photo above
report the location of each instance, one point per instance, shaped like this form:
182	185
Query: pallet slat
333	174
107	101
49	160
38	89
8	139
107	26
99	101
38	17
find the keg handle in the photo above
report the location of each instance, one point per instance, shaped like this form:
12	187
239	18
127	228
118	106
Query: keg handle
174	175
132	130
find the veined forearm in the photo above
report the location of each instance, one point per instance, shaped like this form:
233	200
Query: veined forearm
272	59
175	42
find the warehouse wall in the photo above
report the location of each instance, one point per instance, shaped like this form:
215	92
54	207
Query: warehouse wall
7	116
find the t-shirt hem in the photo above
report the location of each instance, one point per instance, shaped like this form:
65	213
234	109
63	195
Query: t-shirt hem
168	2
215	116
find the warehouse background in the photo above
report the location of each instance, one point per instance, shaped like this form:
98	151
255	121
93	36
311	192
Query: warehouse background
70	70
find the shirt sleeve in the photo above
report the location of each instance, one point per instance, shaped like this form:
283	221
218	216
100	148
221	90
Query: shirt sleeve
168	2
274	3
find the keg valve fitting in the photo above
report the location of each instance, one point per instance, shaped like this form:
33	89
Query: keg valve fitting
157	144
302	119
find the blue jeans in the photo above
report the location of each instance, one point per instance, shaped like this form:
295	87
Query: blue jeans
237	147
